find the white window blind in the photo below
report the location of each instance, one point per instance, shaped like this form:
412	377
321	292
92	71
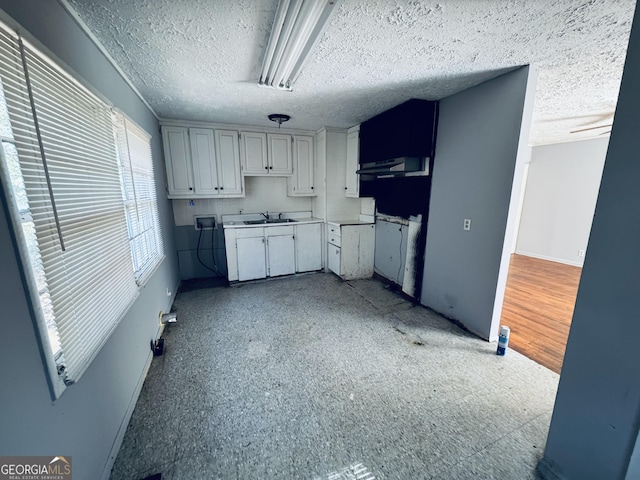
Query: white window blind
74	204
139	190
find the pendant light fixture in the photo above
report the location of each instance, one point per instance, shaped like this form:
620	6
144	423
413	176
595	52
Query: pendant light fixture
279	118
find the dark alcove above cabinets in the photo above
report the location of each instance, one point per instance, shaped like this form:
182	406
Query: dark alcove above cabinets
407	130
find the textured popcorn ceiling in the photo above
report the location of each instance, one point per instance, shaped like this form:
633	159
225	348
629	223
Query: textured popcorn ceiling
200	59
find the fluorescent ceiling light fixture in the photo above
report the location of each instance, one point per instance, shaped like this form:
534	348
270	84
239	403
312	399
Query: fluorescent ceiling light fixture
297	27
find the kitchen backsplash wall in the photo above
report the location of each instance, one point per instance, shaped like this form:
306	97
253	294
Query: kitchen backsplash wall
262	194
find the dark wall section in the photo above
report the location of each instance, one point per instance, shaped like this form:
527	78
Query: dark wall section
195	257
402	197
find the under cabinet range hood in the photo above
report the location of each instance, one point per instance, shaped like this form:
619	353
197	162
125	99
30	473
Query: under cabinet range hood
399	142
401	166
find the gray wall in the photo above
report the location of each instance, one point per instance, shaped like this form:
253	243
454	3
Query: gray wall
89	417
597	413
476	151
187	245
560	198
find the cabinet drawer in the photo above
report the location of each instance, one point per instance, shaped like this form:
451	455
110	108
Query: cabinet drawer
333	230
281	230
334	240
249	232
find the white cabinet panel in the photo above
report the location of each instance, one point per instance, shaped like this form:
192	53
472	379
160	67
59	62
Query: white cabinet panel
308	247
252	261
333	259
228	154
253	151
177	160
279	154
390	250
281	253
353	154
301	182
204	161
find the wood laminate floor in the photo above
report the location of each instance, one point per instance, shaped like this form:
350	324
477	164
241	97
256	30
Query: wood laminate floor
538	307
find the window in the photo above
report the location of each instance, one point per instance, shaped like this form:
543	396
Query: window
81	193
139	191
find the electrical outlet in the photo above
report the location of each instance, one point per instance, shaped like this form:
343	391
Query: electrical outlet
466	225
581	253
205	223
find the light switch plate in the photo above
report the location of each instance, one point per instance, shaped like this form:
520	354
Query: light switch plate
467	224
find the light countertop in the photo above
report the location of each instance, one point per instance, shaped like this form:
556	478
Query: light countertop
237	221
298	221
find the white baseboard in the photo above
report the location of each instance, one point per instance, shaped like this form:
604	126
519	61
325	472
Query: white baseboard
551	259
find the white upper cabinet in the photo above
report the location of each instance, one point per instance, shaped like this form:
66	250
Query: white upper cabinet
301	183
178	160
266	154
352	188
253	151
202	162
229	172
279	153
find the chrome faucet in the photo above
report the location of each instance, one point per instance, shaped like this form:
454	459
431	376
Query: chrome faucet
280	216
265	215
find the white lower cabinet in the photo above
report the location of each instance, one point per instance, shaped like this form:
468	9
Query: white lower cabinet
281	257
252	260
350	250
308	247
333	259
272	251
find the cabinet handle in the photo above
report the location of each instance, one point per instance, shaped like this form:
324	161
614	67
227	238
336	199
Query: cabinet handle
216	188
221	188
311	188
345	188
270	168
266	168
190	188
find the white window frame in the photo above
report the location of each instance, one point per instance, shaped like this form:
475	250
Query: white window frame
139	192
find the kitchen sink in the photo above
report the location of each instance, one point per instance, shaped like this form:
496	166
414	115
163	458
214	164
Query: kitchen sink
271	220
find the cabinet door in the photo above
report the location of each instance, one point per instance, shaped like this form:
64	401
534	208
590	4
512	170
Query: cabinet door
282	260
178	160
252	260
308	247
333	259
352	178
228	156
301	182
279	153
253	152
204	161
